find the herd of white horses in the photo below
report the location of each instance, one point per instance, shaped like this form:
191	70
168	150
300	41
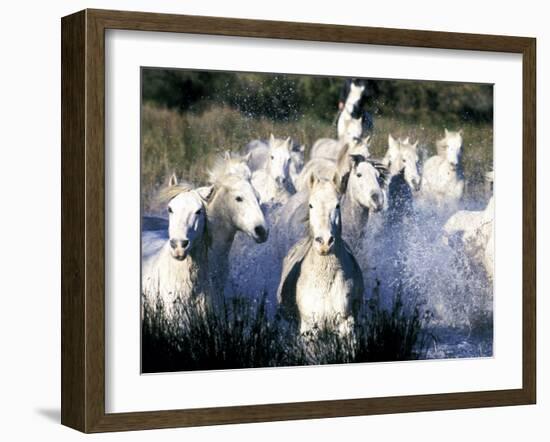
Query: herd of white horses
319	212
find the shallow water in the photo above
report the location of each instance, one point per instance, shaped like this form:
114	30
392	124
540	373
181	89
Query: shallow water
408	257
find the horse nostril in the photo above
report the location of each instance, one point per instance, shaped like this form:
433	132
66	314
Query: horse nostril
184	243
330	240
173	243
260	231
375	198
319	240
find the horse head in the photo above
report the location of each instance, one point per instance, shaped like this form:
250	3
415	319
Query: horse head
402	157
279	159
365	183
238	206
451	147
324	213
186	217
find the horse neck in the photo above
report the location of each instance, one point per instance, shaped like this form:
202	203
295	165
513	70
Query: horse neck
398	186
219	226
354	215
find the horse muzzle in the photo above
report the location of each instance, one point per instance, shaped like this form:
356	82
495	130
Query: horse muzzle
260	234
179	248
377	202
324	247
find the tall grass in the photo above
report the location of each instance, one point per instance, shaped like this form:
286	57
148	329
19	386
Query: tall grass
186	143
241	334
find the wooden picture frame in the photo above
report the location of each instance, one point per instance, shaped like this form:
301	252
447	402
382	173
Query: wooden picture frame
83	220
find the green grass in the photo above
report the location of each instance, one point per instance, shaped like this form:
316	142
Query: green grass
241	334
186	143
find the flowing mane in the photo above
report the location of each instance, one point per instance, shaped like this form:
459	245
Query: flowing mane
166	194
382	170
344	165
228	164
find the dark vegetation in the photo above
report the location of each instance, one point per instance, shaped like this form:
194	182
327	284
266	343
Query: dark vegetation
241	334
283	97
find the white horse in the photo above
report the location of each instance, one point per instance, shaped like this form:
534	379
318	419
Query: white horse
330	149
321	283
350	121
271	158
442	176
401	159
230	163
232	207
362	189
476	232
272	181
178	272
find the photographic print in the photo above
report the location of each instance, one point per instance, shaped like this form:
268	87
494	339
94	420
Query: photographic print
292	220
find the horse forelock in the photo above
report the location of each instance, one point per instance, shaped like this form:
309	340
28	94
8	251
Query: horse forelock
231	164
167	194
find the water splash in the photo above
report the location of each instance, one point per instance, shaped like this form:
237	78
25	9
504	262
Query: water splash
409	257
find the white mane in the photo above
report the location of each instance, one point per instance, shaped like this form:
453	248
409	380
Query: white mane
229	164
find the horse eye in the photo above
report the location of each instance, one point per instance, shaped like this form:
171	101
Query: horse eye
198	212
170	210
239	199
310	206
337	206
359	175
272	157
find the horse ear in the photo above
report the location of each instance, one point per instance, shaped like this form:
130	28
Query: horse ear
173	181
205	192
406	140
247	157
392	142
367	140
446	133
271	139
227	155
415	145
288	143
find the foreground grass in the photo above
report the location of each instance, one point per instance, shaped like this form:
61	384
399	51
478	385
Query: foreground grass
242	335
186	143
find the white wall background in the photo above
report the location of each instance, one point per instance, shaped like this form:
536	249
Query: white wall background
30	234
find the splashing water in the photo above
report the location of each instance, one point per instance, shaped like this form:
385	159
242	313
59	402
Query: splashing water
409	257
